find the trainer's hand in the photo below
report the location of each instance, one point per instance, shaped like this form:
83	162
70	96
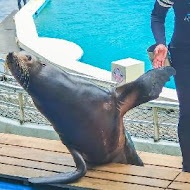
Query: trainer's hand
160	53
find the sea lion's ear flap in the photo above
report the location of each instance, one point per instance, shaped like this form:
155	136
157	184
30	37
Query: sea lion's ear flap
43	64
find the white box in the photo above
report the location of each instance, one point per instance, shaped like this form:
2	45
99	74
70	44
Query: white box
127	70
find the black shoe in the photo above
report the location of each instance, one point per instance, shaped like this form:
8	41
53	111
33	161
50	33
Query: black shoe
186	170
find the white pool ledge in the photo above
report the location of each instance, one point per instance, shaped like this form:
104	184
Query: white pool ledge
169	94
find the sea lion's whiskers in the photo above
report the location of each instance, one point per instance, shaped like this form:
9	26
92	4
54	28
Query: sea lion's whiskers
23	72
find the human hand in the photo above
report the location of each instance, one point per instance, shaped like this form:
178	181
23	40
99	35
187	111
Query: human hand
160	53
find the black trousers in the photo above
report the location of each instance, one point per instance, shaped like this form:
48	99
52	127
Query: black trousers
180	58
19	3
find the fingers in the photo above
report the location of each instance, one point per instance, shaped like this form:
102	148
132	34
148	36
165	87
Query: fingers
160	53
159	59
158	63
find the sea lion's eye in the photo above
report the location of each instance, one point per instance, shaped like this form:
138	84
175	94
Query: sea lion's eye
29	57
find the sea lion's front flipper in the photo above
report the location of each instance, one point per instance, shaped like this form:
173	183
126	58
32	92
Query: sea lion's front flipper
65	177
147	87
130	151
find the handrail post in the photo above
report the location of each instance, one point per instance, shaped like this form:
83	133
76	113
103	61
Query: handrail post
6	69
156	125
21	105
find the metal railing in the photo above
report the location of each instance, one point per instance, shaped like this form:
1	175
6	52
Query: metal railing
161	105
155	119
15	103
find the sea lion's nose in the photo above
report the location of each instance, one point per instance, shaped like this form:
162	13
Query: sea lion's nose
10	54
9	57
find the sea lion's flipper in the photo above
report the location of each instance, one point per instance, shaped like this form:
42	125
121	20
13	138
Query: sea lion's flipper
130	152
65	177
147	87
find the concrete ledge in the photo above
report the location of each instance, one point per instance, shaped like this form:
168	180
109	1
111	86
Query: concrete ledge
47	132
160	147
32	130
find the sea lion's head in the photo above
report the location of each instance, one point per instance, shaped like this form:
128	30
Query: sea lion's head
22	65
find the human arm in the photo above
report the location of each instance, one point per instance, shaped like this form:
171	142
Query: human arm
158	28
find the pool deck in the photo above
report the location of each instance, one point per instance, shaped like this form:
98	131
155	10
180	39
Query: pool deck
8	35
24	157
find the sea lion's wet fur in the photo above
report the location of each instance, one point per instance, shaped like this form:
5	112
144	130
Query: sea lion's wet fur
88	119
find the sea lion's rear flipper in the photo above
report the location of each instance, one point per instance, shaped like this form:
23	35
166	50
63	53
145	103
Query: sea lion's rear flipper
65	177
147	87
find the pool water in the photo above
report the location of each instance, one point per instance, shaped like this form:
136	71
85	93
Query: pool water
10	185
106	30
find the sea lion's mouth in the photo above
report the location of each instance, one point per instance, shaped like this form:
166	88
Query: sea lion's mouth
18	68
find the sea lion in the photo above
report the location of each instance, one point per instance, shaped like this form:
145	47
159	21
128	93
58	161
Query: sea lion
88	118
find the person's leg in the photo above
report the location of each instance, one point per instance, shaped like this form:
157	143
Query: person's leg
19	4
24	2
181	62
